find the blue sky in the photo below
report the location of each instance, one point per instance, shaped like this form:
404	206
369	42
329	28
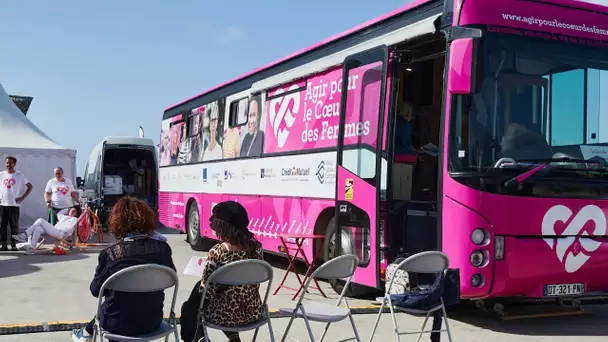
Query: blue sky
99	68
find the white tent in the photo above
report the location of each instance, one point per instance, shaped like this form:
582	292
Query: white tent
36	154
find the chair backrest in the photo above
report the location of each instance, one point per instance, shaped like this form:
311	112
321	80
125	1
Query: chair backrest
142	278
426	262
242	272
341	267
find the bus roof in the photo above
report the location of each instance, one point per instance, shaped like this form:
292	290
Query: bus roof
128	141
333	38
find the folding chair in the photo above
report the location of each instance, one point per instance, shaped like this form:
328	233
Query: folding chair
243	272
142	278
341	267
427	263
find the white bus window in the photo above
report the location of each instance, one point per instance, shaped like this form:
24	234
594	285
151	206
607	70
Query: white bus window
238	112
361	162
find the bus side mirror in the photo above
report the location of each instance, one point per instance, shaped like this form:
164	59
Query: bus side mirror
79	182
462	59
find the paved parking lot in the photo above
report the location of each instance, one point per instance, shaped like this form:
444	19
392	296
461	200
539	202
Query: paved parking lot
47	288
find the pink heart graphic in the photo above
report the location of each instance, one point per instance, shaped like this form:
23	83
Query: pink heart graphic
200	261
8	183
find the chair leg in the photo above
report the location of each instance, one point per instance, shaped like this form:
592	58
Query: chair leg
447	325
352	322
426	319
255	334
293	316
312	337
371	337
206	338
270	331
396	329
324	332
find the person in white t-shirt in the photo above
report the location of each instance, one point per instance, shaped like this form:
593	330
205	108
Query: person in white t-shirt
60	193
67	219
14	189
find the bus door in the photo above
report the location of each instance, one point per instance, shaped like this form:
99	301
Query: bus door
359	178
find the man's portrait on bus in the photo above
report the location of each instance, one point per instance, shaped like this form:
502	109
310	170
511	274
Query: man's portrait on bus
214	149
253	141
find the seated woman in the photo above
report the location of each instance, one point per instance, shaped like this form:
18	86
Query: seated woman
65	226
132	222
231	305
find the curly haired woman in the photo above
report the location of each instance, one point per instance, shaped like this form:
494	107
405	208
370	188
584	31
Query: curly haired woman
132	222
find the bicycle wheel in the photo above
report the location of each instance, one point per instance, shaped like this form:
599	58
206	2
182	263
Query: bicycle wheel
84	228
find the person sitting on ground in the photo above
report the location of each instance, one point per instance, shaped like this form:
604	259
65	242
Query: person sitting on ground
229	305
67	220
132	222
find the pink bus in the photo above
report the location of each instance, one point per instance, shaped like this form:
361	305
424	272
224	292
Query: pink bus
473	127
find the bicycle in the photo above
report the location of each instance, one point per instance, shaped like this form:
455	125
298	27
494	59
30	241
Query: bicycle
90	224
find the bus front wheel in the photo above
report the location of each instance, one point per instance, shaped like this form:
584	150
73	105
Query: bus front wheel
330	252
194	228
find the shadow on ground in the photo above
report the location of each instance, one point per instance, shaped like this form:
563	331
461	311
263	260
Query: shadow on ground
13	264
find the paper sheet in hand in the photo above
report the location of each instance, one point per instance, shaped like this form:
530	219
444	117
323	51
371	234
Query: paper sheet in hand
195	266
430	149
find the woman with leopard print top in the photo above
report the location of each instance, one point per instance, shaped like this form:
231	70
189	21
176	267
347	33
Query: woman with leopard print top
231	305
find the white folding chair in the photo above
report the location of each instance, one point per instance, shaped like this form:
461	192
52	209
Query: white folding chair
141	278
431	262
243	272
342	267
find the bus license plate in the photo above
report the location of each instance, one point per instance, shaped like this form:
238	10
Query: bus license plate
564	290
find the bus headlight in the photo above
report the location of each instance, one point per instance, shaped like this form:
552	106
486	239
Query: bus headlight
477	258
499	247
478	236
476	280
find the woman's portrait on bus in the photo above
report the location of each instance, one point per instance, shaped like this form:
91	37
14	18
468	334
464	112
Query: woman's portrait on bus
183	156
165	144
214	149
197	142
253	141
174	146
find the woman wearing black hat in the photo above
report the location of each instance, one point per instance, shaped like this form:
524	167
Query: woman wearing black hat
227	305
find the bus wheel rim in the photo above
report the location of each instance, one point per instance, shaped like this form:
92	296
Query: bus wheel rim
346	245
194	225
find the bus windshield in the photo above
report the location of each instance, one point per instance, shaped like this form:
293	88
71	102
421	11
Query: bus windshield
539	102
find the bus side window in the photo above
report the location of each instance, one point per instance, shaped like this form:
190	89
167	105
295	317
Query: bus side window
238	112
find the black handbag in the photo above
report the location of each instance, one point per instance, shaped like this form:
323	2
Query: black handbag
190	328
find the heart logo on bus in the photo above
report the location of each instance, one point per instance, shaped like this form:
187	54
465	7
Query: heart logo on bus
281	113
572	250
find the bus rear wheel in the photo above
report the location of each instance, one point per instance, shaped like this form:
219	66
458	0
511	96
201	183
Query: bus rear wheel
329	252
197	242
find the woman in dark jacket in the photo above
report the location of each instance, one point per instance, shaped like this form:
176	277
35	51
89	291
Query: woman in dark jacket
133	224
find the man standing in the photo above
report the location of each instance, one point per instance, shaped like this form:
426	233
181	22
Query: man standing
14	189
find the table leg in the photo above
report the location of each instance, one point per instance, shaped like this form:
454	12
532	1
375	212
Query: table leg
292	265
309	268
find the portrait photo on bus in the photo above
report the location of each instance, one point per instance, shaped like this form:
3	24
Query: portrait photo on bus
213	129
252	141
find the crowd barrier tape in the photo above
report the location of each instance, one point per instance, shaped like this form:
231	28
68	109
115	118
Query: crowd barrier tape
56	326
